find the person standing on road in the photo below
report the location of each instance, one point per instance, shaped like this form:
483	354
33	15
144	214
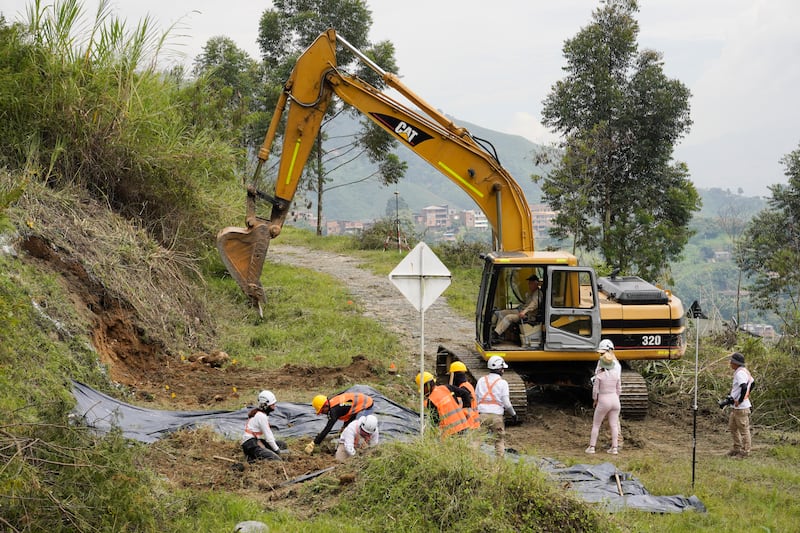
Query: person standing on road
346	407
494	401
739	421
606	390
445	405
507	317
358	434
258	442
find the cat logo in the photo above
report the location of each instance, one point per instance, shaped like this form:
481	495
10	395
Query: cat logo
413	136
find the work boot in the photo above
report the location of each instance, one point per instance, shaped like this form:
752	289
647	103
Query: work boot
734	453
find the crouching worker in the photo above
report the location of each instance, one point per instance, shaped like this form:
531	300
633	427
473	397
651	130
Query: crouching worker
258	442
444	409
358	434
346	407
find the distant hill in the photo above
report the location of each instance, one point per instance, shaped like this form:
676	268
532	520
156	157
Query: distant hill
424	186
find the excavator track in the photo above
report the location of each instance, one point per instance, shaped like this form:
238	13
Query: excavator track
477	369
634	398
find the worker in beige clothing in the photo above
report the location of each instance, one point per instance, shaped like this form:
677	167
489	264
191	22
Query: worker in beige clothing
507	317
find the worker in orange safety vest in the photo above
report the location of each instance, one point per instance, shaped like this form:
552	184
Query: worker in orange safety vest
346	407
443	406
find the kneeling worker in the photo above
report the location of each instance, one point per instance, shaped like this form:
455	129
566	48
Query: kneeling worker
358	434
346	407
258	442
444	409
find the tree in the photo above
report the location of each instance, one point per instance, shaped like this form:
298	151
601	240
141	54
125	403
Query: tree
732	219
615	187
290	27
228	91
769	250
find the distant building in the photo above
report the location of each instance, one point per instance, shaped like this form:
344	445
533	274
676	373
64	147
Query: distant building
542	217
435	216
344	227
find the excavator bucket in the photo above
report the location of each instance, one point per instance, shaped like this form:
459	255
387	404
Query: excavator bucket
243	251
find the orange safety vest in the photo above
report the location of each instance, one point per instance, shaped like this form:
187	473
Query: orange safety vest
357	402
472	409
452	418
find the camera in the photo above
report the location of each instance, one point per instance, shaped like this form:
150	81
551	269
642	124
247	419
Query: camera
728	400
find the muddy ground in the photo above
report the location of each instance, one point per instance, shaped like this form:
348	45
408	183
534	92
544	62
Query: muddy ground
558	424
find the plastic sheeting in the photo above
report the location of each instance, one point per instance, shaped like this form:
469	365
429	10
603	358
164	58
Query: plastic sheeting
594	483
598	484
102	412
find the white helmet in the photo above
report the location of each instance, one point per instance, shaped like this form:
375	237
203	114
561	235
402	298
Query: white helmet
266	397
369	424
605	346
496	363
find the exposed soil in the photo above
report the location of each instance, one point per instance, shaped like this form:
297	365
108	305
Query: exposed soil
558	424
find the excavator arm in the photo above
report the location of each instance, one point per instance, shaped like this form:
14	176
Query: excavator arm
431	135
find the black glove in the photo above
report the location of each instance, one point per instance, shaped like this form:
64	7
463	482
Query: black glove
514	420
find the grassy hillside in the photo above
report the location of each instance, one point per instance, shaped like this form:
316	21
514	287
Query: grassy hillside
111	191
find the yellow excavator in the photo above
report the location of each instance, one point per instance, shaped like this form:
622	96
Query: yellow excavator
558	346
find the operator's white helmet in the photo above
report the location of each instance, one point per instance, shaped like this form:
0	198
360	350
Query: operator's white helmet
266	397
496	362
605	346
369	424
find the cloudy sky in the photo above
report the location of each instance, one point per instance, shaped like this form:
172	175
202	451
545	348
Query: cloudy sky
492	64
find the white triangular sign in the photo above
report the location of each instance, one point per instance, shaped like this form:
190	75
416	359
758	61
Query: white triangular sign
421	277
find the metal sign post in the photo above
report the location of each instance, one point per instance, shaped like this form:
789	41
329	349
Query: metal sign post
696	313
421	277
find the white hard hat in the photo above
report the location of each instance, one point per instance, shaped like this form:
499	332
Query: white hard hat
605	346
369	424
496	362
266	397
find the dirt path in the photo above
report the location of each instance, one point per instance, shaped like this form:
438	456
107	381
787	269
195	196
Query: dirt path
559	423
382	300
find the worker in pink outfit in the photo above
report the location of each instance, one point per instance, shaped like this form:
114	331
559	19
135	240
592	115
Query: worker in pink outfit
605	393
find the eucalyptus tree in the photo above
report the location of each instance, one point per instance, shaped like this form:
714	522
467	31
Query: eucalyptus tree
768	251
229	91
615	186
284	32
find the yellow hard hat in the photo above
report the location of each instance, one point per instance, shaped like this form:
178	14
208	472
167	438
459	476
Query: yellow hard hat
318	401
457	366
426	377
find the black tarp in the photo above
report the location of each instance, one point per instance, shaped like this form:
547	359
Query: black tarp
102	412
594	483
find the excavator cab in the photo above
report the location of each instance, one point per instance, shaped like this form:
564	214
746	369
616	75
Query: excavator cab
568	319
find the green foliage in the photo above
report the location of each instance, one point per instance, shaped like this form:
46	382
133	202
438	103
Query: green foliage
90	109
434	485
614	187
382	235
769	250
309	321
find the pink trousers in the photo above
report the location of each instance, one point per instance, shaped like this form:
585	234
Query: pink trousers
607	405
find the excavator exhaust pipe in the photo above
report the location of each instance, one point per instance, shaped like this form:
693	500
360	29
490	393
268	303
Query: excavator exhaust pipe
243	251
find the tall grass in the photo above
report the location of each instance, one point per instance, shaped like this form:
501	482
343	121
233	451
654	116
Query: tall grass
84	103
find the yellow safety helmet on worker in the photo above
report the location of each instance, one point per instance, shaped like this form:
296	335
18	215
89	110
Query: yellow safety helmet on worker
319	402
457	366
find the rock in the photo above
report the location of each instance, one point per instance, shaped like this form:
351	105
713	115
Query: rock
251	526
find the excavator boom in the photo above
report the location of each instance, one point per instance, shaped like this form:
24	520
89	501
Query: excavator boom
432	136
